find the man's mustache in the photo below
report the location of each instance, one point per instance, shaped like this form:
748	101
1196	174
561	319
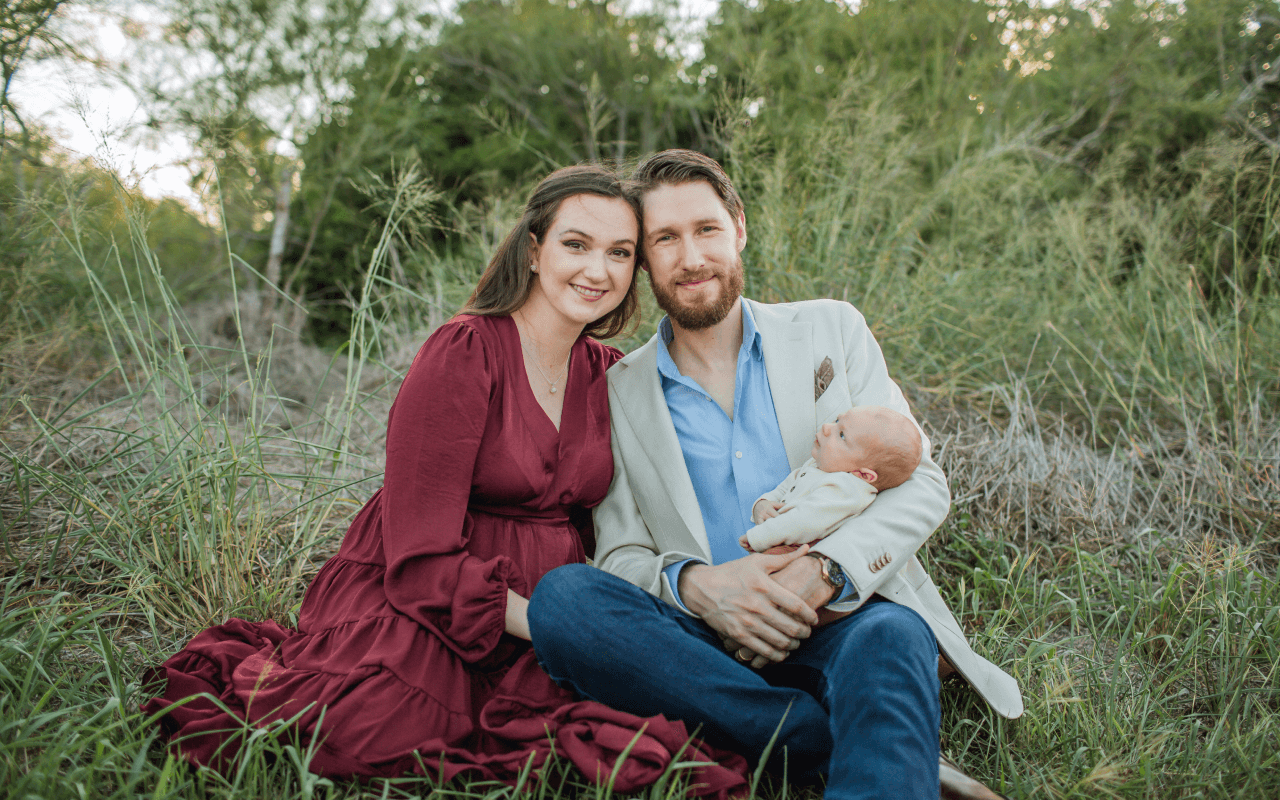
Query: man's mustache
694	277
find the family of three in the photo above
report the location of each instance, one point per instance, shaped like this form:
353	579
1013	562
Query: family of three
750	484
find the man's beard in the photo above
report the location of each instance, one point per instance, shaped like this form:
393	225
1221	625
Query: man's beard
699	316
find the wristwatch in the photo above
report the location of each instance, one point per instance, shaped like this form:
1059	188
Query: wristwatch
831	571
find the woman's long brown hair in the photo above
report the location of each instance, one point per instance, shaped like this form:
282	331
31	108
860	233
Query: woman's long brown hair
507	281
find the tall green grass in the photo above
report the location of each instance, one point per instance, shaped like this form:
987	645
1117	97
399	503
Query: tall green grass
165	494
1101	391
1119	305
1149	670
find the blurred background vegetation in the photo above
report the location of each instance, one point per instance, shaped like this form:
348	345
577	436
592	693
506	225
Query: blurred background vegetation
1061	219
990	181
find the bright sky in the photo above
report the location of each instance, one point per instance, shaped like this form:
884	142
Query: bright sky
90	115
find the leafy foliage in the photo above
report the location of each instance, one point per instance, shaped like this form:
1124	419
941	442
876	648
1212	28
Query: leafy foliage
505	93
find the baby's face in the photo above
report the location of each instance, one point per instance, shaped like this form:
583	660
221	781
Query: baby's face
848	443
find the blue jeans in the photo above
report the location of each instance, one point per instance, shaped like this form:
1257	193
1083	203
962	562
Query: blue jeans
858	700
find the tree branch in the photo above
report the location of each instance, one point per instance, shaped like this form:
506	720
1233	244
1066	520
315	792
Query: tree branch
1265	78
1089	138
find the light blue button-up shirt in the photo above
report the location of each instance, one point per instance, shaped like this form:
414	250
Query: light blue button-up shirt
730	461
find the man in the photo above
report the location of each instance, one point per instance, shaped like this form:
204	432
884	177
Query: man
711	413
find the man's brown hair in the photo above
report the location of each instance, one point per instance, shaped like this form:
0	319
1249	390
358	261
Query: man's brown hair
674	167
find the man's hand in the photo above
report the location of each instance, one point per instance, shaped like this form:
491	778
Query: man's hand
741	601
803	578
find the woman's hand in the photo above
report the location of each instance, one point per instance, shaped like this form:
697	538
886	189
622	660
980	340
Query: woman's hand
517	616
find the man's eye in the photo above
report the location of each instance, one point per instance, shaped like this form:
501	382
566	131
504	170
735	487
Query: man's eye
842	434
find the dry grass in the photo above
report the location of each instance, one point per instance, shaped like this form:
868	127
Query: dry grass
1036	478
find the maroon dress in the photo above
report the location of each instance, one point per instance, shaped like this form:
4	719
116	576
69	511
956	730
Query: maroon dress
400	659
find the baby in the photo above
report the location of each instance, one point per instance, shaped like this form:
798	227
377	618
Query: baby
866	450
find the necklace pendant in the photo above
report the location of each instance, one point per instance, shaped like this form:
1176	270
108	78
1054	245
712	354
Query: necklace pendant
553	389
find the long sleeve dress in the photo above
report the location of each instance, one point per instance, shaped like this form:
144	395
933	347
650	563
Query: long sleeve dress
400	660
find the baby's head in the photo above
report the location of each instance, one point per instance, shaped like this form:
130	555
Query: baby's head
875	443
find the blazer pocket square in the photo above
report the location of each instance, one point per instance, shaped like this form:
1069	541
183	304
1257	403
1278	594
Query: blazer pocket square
822	377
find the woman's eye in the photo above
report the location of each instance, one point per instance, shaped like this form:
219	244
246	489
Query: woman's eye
574	245
620	253
842	435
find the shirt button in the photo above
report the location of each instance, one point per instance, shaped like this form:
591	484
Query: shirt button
738	454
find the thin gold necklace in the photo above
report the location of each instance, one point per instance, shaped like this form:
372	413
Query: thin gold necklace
537	357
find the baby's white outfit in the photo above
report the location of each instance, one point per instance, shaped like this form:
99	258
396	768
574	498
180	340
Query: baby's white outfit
819	501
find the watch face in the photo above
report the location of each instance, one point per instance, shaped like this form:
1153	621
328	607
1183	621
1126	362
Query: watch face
836	573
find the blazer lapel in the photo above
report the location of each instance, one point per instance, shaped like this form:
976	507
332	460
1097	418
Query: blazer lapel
639	391
788	361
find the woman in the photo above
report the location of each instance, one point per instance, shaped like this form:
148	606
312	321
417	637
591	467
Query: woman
411	650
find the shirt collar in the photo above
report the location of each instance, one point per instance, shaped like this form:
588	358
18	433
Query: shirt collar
751	343
750	333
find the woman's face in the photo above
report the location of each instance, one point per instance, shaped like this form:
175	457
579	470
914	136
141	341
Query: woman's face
585	261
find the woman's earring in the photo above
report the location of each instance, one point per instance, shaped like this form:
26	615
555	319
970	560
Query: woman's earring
533	267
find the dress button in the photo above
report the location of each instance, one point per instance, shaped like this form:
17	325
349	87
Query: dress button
738	454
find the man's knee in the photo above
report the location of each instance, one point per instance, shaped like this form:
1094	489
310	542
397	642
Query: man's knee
890	622
560	594
579	602
561	585
889	662
557	632
891	632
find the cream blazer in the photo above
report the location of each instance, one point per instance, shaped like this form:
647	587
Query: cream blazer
650	517
814	503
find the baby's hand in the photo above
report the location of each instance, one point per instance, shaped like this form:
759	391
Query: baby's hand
764	509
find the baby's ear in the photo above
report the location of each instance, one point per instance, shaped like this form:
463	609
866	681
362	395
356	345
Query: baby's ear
868	475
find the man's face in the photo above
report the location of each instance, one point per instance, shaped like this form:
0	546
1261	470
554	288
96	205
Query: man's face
693	247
